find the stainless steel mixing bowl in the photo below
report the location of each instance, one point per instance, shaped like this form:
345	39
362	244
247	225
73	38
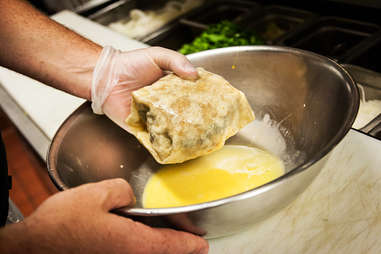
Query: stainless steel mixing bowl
313	99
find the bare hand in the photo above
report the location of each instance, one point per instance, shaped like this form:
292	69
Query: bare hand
79	221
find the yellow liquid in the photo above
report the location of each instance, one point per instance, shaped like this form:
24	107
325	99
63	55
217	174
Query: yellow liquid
226	172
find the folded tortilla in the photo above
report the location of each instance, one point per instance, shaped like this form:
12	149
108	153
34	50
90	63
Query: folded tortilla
178	120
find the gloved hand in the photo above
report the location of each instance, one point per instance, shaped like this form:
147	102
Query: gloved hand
117	74
78	221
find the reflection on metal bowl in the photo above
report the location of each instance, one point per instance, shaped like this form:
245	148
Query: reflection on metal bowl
313	99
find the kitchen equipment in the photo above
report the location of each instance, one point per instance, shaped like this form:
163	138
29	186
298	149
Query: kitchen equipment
368	55
215	11
120	11
332	36
312	98
373	127
274	22
77	6
116	11
369	83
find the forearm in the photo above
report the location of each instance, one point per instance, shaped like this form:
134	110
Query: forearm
33	44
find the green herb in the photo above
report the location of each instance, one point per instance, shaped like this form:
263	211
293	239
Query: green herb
220	35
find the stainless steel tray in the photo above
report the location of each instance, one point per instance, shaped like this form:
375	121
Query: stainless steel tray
370	83
113	12
120	10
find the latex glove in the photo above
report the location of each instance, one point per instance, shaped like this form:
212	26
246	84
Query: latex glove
117	74
78	221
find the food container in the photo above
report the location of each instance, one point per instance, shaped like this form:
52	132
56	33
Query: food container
217	11
274	22
369	83
187	28
120	11
332	36
113	12
313	100
174	36
367	56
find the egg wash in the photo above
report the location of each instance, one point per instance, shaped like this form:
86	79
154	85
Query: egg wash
231	170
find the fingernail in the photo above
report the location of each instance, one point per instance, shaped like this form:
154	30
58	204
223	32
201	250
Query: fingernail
192	72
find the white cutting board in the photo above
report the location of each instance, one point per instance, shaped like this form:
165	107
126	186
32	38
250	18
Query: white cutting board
340	212
48	107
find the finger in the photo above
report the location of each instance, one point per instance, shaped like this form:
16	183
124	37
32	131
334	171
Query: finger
156	240
182	221
117	107
182	242
110	194
171	60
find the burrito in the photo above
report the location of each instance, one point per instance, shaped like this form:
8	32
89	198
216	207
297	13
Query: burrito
179	120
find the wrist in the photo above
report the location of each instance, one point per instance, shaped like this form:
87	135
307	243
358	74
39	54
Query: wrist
13	239
79	71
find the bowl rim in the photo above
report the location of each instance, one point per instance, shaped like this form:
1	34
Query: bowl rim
343	130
